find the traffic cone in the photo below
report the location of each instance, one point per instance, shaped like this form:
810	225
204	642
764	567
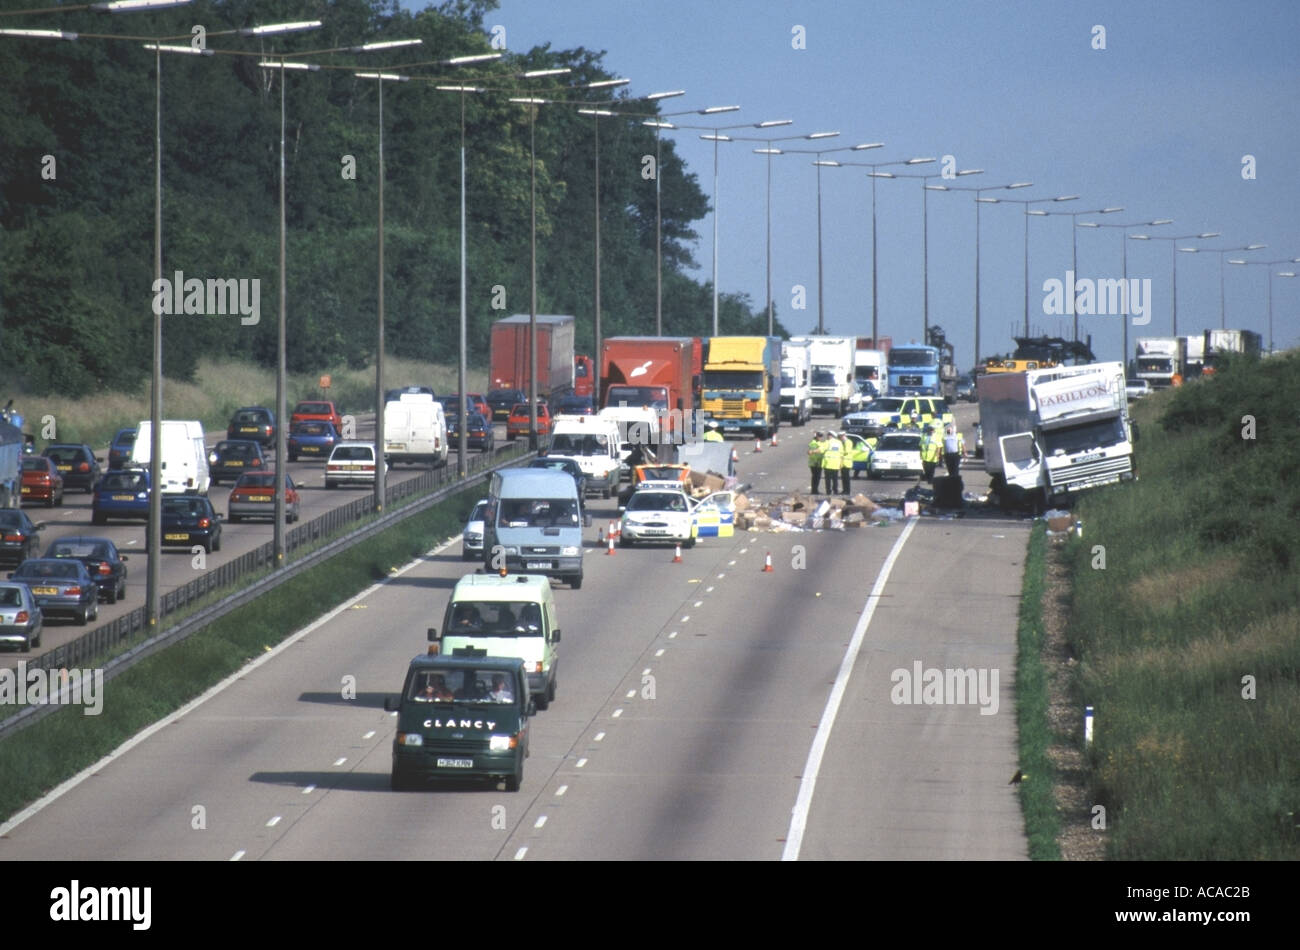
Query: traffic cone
734	456
610	549
613	529
767	563
773	438
758	445
677	554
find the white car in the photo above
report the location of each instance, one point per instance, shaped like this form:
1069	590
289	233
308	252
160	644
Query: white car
351	463
1137	388
897	453
662	514
471	548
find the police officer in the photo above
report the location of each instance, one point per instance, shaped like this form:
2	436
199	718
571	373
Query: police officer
712	435
929	453
815	450
846	464
954	447
832	458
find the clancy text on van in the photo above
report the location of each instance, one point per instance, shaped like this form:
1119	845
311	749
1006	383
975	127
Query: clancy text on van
213	297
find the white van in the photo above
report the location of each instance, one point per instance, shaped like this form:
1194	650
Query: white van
184	465
415	430
592	442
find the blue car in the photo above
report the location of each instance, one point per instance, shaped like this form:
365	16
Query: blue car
61	587
119	450
121	495
312	439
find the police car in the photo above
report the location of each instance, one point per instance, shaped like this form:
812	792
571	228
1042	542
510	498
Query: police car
897	453
669	515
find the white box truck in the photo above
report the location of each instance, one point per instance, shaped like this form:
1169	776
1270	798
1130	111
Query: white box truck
833	364
1049	433
796	392
184	463
1160	359
415	430
873	366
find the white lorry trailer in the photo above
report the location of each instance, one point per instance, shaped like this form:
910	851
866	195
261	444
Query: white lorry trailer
796	393
1050	433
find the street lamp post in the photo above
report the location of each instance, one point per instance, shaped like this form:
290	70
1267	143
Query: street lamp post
1173	256
1124	248
978	200
1285	260
1074	253
1025	203
1221	251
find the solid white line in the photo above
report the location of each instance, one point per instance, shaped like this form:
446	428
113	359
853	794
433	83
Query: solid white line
61	790
631	694
697	603
617	713
659	652
673	635
708	590
645	672
369	734
581	763
808	783
686	618
309	789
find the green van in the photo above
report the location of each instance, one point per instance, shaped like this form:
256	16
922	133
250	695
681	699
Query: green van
506	615
461	717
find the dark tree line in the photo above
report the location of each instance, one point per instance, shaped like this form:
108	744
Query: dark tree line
77	196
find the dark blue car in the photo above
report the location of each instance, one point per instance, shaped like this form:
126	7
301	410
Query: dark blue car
121	495
312	439
119	450
62	587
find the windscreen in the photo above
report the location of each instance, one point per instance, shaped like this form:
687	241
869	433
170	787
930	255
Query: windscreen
913	358
822	376
461	686
728	379
494	619
537	513
655	397
1082	438
656	501
580	443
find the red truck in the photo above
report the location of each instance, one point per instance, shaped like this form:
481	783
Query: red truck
584	376
657	372
509	360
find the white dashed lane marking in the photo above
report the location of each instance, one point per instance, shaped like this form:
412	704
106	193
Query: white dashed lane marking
273	822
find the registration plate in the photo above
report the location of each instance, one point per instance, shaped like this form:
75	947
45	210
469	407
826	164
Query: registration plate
538	565
64	468
27	490
455	763
176	537
654	531
123	497
261	498
235	464
898	465
46	591
248	429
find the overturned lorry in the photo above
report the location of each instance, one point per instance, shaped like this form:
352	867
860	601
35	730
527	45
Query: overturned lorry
1052	433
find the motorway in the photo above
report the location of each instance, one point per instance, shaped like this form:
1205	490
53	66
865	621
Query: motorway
705	710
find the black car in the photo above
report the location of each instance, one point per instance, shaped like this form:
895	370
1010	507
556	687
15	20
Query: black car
479	434
564	464
119	450
17	535
76	463
61	587
106	565
252	422
503	400
233	457
966	389
190	519
575	406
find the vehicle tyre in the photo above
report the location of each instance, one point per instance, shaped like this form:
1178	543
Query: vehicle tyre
293	457
605	492
207	546
36	640
688	543
49	502
550	690
514	781
84	617
98	517
112	596
873	475
328	483
509	437
576	582
120	593
543	700
624	542
466	555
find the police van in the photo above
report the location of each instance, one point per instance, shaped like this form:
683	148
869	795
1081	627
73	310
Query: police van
513	616
461	717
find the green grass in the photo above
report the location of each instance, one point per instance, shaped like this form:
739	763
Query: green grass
221	387
38	758
1200	595
1042	823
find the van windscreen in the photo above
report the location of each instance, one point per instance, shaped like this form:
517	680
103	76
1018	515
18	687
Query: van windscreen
538	513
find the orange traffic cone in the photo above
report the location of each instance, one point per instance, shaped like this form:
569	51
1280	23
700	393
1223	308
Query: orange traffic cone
773	437
767	563
614	530
677	554
758	445
735	457
610	549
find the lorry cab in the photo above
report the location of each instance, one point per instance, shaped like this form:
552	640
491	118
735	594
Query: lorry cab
512	616
533	524
461	717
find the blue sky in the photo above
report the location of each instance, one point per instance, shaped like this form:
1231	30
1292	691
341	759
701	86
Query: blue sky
1158	122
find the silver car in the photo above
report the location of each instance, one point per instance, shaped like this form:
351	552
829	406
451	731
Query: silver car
21	620
472	545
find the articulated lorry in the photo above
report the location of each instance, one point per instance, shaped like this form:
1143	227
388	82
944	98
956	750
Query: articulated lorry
651	372
741	390
509	359
833	361
1220	342
1162	360
796	393
914	370
1051	433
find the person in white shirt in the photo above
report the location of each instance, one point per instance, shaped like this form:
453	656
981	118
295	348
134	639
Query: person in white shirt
500	690
953	449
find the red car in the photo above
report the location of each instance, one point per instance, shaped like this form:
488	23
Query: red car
517	423
480	405
42	481
254	497
315	410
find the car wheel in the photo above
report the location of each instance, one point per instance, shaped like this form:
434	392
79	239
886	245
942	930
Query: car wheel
36	640
400	782
543	700
207	546
550	690
624	542
466	555
84	617
605	492
216	544
120	593
688	543
576	582
328	483
111	596
49	502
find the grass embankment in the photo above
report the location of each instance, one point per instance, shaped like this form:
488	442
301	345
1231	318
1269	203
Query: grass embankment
38	758
1042	824
1189	637
221	387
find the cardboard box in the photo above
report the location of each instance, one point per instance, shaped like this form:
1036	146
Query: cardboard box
911	509
707	481
1061	523
795	517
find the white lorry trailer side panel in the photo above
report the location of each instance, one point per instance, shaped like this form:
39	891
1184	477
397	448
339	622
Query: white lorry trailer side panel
833	363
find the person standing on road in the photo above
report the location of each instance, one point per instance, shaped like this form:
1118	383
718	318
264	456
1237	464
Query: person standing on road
846	464
712	435
816	448
831	460
954	447
929	453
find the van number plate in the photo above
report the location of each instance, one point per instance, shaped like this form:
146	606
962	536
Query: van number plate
455	763
538	565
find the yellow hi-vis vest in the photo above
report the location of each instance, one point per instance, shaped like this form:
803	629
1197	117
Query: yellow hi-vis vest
816	448
931	450
832	454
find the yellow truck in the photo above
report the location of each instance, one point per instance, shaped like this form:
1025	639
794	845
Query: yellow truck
741	386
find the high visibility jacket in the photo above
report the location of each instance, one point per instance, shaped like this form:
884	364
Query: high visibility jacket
832	454
857	452
713	435
816	448
930	450
851	452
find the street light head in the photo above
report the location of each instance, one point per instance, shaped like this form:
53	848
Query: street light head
1021	184
596	112
306	67
937	188
768	151
827	163
651	123
655	96
540	73
1254	247
1036	211
1087	224
971	171
1139	237
1110	210
1285	273
714	137
773	123
1231	261
714	110
469	89
988	201
387	77
607	83
1158	221
1066	198
824	135
184	50
1208	234
132	6
876	174
522	100
866	145
276	29
475	58
40	34
384	44
917	161
1190	250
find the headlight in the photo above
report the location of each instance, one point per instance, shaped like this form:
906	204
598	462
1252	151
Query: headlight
212	458
502	743
512	551
410	738
570	551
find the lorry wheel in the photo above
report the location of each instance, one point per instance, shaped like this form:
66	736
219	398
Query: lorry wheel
542	700
550	690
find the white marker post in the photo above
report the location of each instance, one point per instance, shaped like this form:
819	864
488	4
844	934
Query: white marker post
1087	725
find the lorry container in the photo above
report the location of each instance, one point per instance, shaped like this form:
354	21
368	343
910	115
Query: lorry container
653	372
1219	342
1195	355
796	390
831	377
741	389
509	359
872	366
1162	360
1051	433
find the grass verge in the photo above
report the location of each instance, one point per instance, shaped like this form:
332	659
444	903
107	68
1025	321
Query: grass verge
40	757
